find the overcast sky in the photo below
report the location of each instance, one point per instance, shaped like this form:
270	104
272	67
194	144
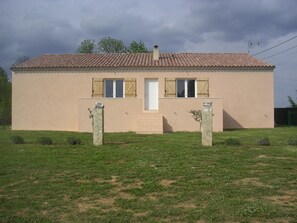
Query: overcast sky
34	27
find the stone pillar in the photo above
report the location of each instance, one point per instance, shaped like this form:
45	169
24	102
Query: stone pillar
98	124
207	124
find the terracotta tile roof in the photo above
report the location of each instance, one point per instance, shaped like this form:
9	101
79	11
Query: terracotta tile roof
122	60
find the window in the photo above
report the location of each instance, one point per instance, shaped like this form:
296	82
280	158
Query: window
114	89
185	88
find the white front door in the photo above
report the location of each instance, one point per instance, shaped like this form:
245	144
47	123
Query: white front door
151	94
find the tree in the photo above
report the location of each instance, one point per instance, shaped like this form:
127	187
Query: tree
5	98
293	104
137	47
110	45
87	46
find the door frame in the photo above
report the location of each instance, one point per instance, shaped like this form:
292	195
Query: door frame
146	105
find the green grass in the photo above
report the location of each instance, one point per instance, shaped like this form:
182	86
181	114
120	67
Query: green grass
149	178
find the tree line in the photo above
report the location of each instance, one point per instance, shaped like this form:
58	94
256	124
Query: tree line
110	45
5	98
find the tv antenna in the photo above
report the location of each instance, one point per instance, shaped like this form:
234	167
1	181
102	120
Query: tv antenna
251	44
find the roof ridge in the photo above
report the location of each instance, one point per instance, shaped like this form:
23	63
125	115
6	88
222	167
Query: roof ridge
51	54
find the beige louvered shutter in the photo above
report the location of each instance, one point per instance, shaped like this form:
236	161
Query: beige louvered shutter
170	87
97	90
203	87
130	87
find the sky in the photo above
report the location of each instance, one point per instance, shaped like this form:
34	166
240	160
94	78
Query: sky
35	27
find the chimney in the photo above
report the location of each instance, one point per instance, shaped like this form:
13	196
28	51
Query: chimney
156	53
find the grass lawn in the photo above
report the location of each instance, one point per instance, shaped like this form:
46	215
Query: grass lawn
149	178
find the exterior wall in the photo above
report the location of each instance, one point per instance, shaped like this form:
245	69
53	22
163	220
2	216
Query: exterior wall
122	115
248	98
58	100
45	101
176	116
119	114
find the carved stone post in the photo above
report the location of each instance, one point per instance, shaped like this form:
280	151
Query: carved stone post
207	124
98	124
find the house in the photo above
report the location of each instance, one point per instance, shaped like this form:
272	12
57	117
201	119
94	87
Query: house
142	92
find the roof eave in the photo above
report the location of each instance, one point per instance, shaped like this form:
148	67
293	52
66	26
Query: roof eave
269	67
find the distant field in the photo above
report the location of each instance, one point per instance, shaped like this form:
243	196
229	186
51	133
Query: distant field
149	178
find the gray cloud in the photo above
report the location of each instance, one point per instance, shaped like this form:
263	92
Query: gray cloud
234	20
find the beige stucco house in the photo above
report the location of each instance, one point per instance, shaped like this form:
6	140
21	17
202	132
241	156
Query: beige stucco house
142	92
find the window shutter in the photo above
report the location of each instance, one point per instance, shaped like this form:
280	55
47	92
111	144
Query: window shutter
202	87
130	88
170	87
97	89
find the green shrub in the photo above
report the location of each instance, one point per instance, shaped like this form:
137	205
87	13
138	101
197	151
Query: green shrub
232	142
73	141
264	142
45	141
17	139
292	142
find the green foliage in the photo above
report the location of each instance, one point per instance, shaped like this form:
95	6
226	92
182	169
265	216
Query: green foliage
73	141
87	46
137	47
110	45
16	139
5	98
44	140
232	142
292	142
264	142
